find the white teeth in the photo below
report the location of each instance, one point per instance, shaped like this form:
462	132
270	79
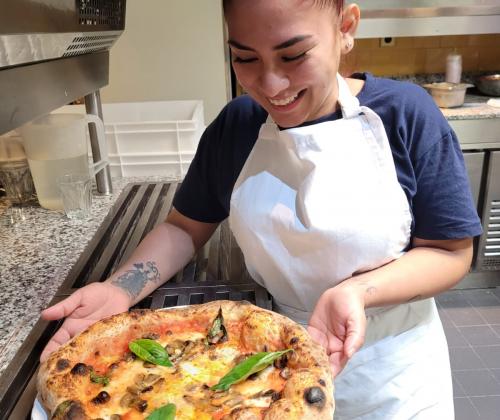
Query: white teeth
283	102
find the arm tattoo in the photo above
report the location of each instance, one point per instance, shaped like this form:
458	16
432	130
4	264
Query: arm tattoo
134	281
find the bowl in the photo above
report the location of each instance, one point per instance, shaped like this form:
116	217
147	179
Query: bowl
448	95
489	84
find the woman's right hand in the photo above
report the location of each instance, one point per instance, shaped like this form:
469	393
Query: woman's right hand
82	309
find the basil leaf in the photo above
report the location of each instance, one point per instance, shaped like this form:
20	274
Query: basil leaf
103	380
247	367
167	412
217	332
150	351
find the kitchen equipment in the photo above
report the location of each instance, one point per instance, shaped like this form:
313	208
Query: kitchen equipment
52	53
56	145
402	18
489	84
15	174
448	95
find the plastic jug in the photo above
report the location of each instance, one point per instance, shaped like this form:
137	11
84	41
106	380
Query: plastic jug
56	145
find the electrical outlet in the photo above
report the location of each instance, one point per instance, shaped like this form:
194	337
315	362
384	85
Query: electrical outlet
387	42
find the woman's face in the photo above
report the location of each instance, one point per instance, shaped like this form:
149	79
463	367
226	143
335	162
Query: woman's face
286	55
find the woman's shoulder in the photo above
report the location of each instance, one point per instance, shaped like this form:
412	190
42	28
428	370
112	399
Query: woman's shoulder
244	109
406	109
237	124
396	94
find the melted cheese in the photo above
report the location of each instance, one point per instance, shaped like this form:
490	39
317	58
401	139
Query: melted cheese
192	374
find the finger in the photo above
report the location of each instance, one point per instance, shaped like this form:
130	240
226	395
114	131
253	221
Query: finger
60	337
63	308
355	337
337	361
318	336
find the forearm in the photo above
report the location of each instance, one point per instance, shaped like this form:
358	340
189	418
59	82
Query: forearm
161	254
422	272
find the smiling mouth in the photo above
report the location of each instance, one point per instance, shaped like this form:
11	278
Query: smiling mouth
286	101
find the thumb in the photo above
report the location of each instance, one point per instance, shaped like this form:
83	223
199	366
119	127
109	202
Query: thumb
355	336
63	308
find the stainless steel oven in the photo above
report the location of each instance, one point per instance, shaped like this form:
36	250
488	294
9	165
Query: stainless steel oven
480	141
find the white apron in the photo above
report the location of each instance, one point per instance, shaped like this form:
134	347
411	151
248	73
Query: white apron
314	205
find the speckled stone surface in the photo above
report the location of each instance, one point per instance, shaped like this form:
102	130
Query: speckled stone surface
35	257
474	107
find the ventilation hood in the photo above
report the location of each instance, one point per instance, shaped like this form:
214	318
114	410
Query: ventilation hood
399	18
53	52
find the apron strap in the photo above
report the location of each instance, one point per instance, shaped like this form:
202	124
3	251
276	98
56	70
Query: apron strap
348	102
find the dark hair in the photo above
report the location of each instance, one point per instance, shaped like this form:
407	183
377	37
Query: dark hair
339	4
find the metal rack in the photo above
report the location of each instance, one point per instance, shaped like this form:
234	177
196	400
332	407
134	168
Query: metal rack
139	208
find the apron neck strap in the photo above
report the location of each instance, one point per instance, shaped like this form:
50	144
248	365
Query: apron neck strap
349	104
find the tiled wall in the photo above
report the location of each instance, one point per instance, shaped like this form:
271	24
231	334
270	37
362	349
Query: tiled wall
423	55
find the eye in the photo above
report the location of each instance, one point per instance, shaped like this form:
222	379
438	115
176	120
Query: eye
294	58
244	60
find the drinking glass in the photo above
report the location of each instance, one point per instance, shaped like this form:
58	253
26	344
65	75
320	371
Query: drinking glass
76	194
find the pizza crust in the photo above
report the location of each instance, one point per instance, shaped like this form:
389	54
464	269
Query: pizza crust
308	391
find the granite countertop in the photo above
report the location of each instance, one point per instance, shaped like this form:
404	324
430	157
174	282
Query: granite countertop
474	107
36	255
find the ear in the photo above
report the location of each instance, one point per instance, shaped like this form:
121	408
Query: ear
348	26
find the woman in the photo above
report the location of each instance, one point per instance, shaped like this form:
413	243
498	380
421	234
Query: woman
348	198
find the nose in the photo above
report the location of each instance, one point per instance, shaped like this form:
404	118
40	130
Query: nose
273	82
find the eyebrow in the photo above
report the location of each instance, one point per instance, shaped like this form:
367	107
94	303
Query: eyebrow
283	45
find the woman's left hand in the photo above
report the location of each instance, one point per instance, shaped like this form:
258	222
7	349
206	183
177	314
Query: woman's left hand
338	323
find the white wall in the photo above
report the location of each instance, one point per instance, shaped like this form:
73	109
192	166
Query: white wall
170	50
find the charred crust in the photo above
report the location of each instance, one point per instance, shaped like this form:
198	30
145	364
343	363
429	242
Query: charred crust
253	376
141	406
80	369
62	364
113	366
281	363
102	398
315	397
129	356
294	340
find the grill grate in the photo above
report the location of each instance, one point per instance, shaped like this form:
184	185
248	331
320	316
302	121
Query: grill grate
139	208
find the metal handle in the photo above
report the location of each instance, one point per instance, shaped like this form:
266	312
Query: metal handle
101	140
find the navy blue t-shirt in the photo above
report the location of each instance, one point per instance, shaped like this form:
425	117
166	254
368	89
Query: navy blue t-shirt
429	163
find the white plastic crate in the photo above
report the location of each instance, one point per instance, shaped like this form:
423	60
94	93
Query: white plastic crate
150	138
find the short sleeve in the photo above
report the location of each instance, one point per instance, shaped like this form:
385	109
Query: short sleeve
197	196
443	207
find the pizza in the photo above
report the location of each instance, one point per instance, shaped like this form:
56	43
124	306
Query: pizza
221	360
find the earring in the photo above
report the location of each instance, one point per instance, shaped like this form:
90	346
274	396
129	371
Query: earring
348	46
